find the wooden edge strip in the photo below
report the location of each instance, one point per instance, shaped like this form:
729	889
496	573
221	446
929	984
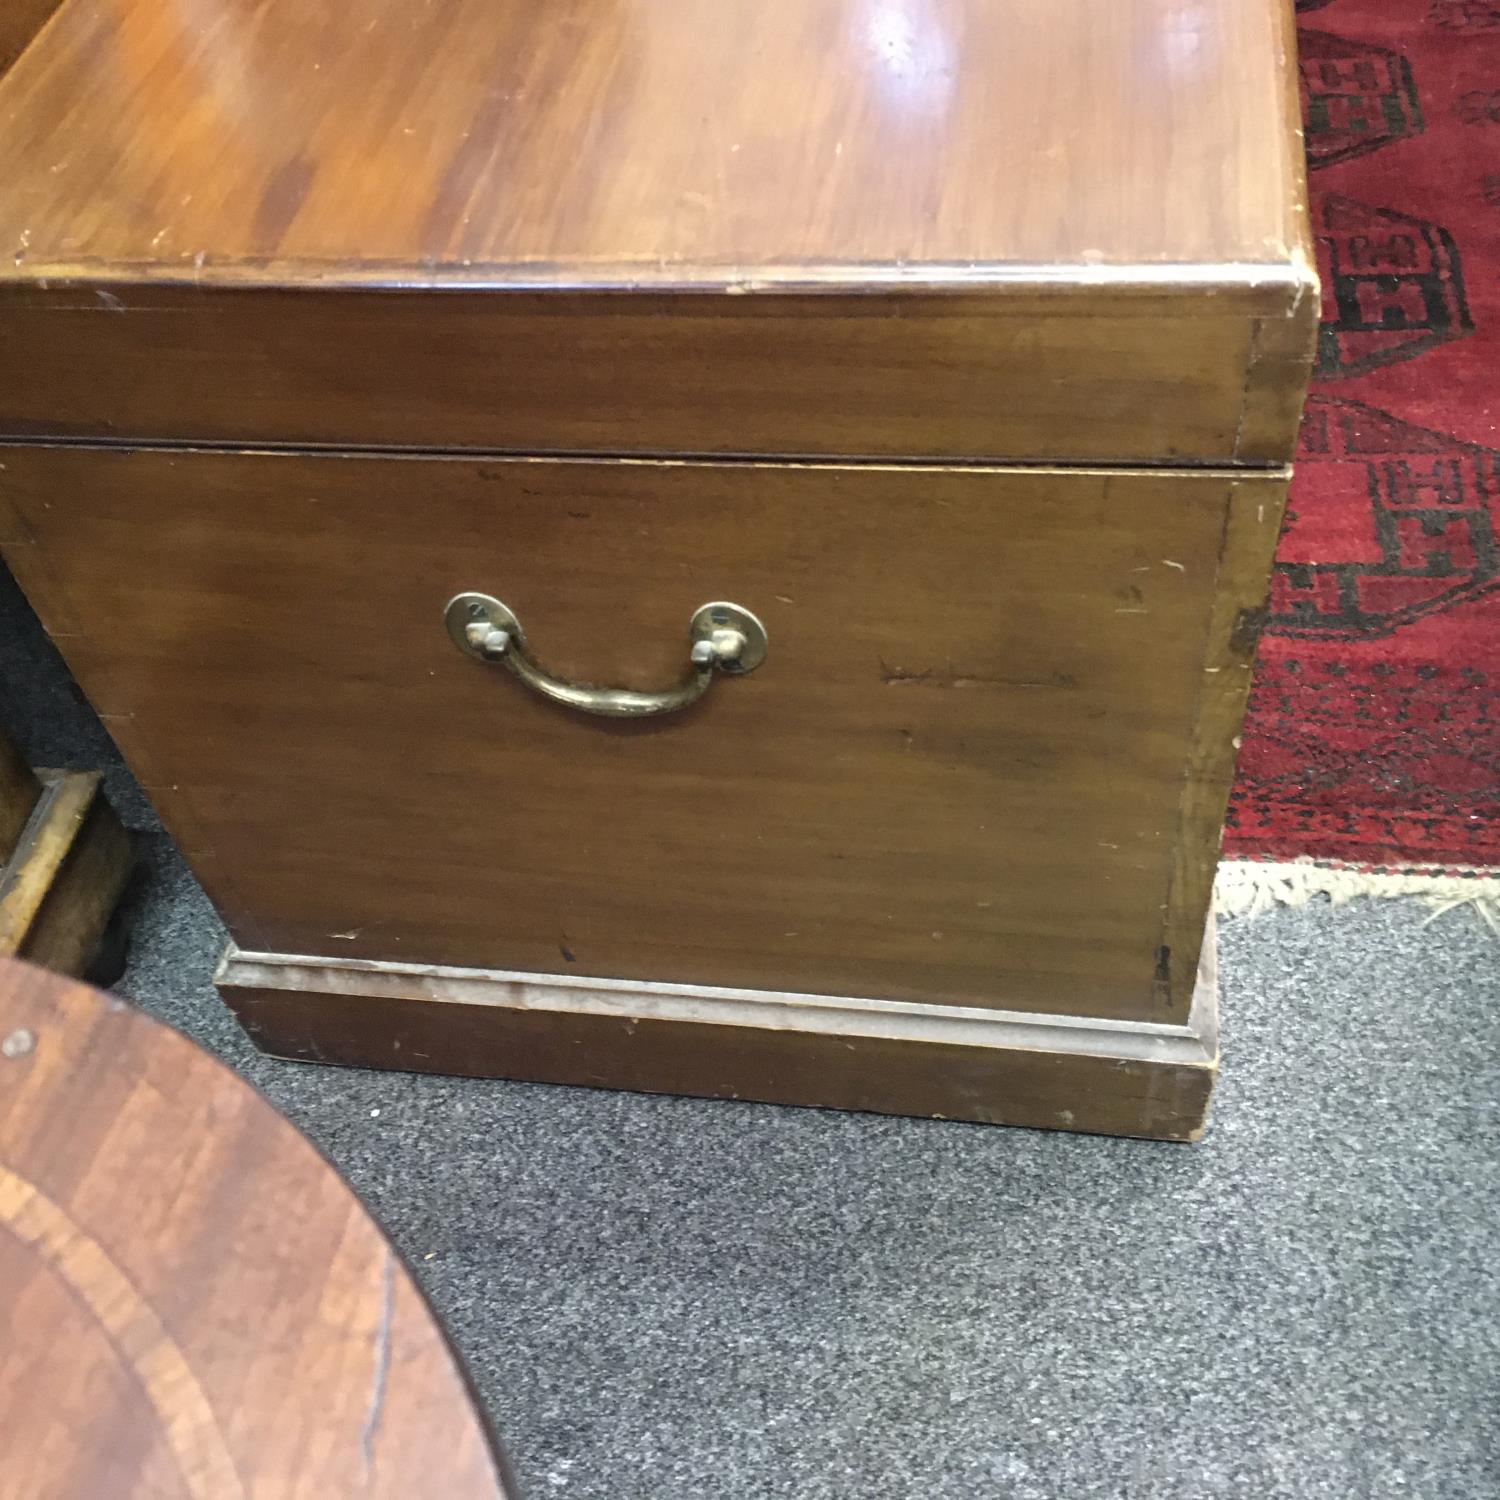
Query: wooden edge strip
1052	1072
1194	1043
973	1027
65	875
1269	285
1252	524
1284	346
45	843
837	464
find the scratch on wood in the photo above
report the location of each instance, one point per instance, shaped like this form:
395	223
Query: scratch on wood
1163	981
1247	389
932	677
382	1367
1245	635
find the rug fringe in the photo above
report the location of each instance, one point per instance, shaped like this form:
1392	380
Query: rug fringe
1249	888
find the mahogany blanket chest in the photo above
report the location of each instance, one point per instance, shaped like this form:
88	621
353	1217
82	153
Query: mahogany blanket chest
697	545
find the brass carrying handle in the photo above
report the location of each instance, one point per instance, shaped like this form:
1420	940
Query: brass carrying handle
721	638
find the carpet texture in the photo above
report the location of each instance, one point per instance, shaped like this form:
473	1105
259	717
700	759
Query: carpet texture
1374	727
667	1299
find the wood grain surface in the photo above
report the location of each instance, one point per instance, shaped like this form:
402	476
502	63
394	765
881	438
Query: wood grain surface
1043	230
1065	375
972	770
616	141
195	1305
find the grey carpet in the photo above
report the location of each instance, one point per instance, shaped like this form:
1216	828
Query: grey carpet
666	1299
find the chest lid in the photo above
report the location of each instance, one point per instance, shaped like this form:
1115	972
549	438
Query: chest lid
974	229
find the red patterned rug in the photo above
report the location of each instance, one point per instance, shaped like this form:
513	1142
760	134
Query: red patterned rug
1374	729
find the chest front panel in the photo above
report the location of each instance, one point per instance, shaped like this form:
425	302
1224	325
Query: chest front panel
972	735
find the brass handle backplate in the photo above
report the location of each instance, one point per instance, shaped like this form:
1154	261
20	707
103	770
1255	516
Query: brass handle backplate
721	638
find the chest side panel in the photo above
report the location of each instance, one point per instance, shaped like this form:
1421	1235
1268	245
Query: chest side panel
962	774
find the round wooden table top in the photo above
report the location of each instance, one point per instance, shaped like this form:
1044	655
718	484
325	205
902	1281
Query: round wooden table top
192	1303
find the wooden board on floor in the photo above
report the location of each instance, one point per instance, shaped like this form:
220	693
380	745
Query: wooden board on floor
66	867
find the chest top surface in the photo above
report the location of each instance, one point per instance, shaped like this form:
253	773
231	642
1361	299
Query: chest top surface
1068	230
622	142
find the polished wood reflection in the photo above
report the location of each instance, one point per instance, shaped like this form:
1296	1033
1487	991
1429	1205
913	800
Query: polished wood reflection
613	140
1047	230
195	1306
